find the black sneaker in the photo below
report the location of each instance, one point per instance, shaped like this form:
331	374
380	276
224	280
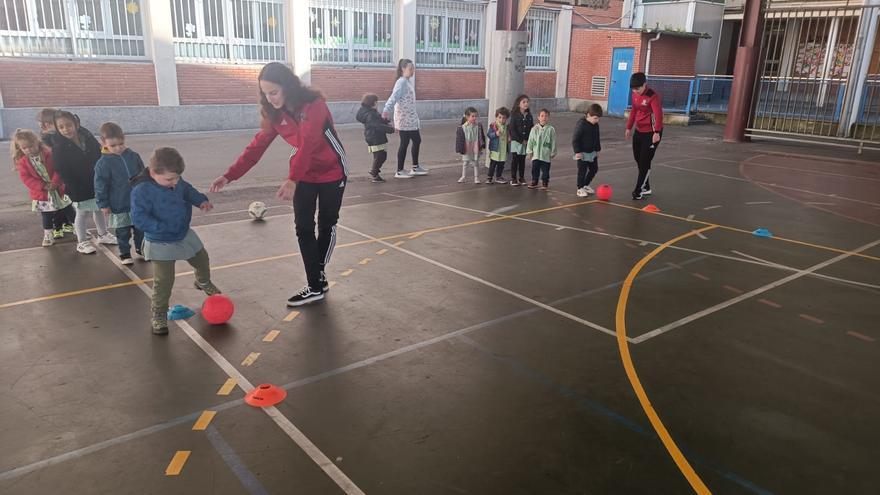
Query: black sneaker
376	179
325	285
305	296
637	196
126	259
490	180
500	180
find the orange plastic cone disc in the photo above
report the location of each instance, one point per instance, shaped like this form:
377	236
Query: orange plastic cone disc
265	395
651	209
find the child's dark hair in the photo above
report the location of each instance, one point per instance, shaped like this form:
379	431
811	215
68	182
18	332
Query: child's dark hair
503	111
516	103
369	100
544	110
166	160
637	80
468	111
64	115
401	65
47	116
111	130
595	110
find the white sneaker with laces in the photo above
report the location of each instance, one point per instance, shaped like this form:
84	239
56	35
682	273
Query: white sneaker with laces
581	193
85	248
589	189
107	238
461	180
403	174
417	170
48	239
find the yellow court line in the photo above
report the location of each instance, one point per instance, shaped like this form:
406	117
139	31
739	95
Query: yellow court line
290	255
227	387
176	465
623	345
381	251
365	261
347	272
743	231
204	420
291	316
250	359
271	335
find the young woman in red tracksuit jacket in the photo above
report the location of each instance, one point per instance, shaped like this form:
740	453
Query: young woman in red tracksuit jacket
318	168
647	115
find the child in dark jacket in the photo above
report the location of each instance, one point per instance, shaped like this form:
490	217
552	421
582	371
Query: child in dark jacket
113	174
586	146
376	130
521	123
33	161
75	152
470	141
46	121
161	206
499	145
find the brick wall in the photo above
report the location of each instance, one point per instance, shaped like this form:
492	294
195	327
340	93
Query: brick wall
673	56
450	84
42	83
591	51
201	84
351	83
609	13
541	84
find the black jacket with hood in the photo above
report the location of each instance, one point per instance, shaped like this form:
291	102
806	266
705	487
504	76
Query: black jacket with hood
76	165
376	128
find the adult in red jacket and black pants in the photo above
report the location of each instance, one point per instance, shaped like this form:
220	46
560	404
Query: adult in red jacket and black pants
318	168
647	116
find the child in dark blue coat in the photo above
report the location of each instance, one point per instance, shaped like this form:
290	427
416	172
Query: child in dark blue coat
114	171
161	206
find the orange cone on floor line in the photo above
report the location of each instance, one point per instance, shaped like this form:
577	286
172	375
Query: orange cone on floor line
651	209
265	395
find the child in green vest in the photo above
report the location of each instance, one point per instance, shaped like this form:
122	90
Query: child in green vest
499	145
542	148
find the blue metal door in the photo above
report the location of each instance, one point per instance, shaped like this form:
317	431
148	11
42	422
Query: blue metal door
621	69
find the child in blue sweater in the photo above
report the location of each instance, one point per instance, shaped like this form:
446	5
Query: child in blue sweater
114	171
161	206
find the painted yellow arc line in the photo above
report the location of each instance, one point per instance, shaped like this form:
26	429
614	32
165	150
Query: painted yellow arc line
623	345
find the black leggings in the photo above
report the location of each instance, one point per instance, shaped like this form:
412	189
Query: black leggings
379	158
518	167
586	172
52	219
327	197
405	138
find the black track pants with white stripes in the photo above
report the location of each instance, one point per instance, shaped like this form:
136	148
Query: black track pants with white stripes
328	199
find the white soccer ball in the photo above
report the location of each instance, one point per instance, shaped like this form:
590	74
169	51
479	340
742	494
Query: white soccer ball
257	210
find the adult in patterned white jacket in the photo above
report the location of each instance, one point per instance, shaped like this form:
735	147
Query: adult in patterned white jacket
403	102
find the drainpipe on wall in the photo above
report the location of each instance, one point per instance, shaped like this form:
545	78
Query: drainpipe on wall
632	12
648	55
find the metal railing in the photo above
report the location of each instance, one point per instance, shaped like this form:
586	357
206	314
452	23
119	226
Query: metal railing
541	25
351	32
228	31
110	29
676	92
449	33
711	93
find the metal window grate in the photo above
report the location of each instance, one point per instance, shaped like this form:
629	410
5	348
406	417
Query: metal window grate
351	32
541	25
599	86
228	31
449	33
108	29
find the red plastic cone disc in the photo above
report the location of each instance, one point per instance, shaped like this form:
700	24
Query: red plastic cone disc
651	209
265	395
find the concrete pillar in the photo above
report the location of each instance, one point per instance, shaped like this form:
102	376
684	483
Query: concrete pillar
746	69
2	134
868	31
405	19
563	50
488	37
299	51
507	68
157	17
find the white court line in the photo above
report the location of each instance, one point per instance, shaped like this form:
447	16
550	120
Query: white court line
818	275
486	283
280	419
751	203
711	207
747	295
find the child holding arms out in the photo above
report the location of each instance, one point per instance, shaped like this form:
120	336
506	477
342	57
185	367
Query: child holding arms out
499	143
542	147
161	206
33	161
586	146
376	130
470	141
75	152
113	174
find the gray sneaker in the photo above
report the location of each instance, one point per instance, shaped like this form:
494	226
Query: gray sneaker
159	323
417	170
208	288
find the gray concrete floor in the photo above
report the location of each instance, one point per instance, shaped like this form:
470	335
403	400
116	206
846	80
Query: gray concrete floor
479	355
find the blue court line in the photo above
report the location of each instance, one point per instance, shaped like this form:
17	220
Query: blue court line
598	408
247	478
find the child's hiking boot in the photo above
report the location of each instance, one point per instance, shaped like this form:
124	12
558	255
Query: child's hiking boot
305	296
159	323
48	240
533	184
58	234
208	288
